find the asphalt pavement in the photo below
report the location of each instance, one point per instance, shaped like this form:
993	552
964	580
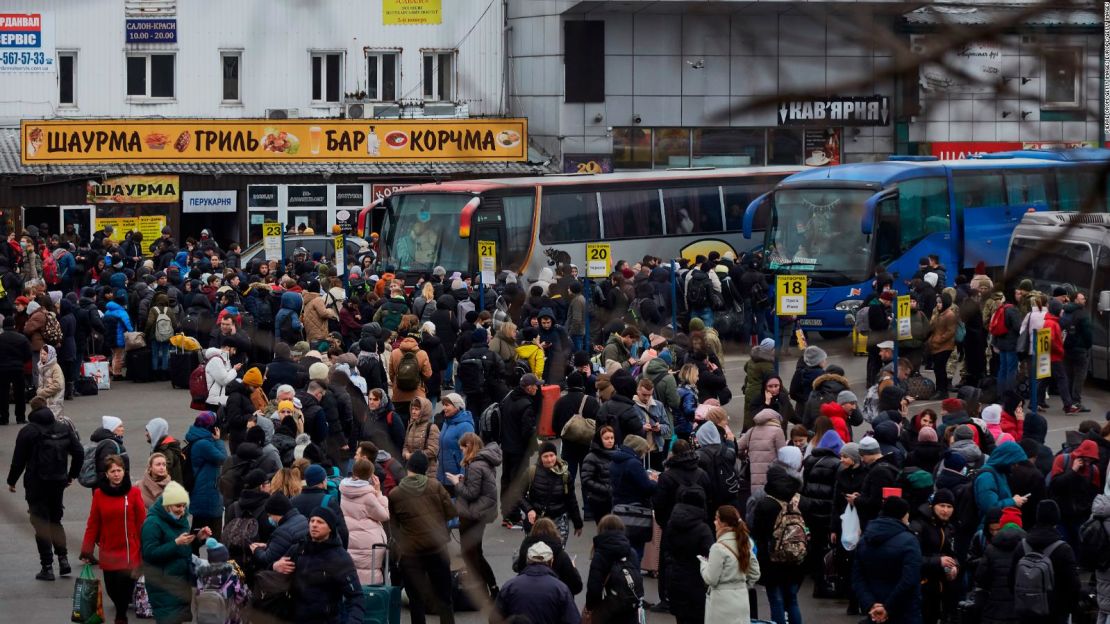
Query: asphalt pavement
28	601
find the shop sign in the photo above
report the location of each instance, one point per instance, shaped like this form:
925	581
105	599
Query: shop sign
149	226
349	195
269	140
872	110
384	191
587	163
970	68
151	31
411	12
960	150
265	196
142	189
27	42
822	147
308	196
195	202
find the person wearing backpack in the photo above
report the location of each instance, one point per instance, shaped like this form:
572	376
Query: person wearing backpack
993	589
481	373
886	573
409	367
221	587
608	598
1004	329
160	326
48	455
1046	577
780	534
1074	482
701	287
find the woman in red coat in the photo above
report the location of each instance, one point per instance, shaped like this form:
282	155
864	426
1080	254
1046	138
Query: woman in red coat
115	525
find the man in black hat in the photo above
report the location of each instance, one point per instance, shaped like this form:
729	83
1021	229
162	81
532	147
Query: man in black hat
291	528
520	412
323	557
939	567
886	574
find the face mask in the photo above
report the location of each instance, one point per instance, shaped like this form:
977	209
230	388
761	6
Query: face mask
271	521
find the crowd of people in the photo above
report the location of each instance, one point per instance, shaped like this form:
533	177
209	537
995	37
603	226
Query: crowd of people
349	422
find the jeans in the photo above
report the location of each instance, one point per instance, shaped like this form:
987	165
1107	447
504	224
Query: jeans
1076	363
428	584
705	314
46	510
783	602
940	370
1063	388
1007	370
579	343
160	355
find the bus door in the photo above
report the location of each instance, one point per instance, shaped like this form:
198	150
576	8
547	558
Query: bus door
489	227
988	218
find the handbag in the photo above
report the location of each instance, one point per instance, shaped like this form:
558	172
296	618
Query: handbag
637	521
88	601
141	600
133	340
579	429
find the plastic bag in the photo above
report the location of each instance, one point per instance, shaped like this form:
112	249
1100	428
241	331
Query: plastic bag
141	600
88	602
849	528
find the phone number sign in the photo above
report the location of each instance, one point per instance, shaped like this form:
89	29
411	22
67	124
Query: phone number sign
26	42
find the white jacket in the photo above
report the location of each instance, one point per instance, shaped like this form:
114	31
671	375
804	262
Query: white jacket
218	372
727	600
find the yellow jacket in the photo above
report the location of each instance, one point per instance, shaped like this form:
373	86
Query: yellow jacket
532	354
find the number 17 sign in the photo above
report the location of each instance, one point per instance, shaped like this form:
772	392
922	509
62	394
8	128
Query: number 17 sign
790	295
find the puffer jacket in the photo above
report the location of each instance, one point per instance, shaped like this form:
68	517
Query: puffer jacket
450	454
942	331
756	371
503	346
167	565
887	570
419	509
408	343
680	472
533	355
365	510
622	415
291	305
550	494
291	529
762	444
315	315
218	373
117	313
1100	508
207	455
819	476
423	435
687	536
476	493
826	388
992	490
595	478
994	576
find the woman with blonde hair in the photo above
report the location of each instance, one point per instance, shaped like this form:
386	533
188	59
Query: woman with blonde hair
504	343
729	571
288	481
155	480
476	499
365	510
424	305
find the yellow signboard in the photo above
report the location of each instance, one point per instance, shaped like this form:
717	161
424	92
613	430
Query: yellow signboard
790	295
905	329
340	245
599	260
272	140
487	260
411	12
140	189
149	226
1044	353
273	240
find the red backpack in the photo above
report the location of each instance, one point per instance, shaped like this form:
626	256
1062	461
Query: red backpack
998	320
50	268
198	388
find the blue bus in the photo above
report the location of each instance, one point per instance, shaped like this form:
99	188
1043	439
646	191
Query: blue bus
837	223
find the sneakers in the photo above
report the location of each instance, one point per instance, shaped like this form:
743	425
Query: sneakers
46	574
514	526
1071	409
660	607
1083	408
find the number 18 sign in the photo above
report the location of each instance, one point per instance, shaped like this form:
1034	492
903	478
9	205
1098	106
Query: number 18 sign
790	295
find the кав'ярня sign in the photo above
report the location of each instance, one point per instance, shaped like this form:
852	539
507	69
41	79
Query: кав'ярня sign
261	140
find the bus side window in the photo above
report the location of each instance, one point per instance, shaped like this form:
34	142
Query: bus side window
631	214
922	209
1073	186
1024	188
737	199
692	210
518	231
978	189
569	217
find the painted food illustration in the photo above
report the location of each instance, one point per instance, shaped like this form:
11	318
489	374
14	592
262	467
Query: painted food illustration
280	142
397	139
34	141
182	142
156	140
508	138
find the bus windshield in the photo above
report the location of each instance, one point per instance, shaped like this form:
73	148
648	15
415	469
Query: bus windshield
421	232
818	231
1066	264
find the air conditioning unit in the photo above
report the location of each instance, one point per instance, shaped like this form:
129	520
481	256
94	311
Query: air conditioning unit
385	111
281	113
356	111
439	110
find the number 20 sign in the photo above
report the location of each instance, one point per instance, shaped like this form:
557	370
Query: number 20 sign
790	295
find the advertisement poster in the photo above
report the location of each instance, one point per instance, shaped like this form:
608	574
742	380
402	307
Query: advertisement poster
151	31
383	191
27	42
139	189
972	68
587	163
150	226
269	140
411	12
959	150
822	147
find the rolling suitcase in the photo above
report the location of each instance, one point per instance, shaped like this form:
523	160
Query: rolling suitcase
382	602
181	364
550	394
859	343
650	563
139	365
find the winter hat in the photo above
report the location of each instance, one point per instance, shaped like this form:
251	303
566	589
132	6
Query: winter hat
540	553
964	432
869	446
327	515
1011	515
767	343
205	420
696	324
790	456
285	405
955	462
833	369
895	507
548	447
994	515
1030	446
992	414
529	379
480	336
418	463
318	372
278	504
943	496
1055	308
314	475
623	383
111	423
254	479
952	405
1048	513
456	400
300	348
217	552
174	494
253	378
851	451
847	396
1025	284
931	278
666	356
255	435
831	440
637	444
813	356
927	434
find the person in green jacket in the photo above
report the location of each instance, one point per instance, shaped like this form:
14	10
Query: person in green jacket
167	556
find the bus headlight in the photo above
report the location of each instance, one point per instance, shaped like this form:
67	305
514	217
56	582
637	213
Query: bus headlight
849	305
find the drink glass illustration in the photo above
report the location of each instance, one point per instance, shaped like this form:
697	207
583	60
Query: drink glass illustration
315	136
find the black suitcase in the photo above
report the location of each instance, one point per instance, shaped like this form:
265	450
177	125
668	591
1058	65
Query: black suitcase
181	365
140	367
86	386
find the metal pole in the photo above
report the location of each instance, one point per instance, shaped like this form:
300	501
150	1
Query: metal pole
1034	399
588	342
778	341
481	293
895	361
674	296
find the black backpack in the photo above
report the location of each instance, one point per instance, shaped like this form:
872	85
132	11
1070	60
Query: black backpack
725	478
624	586
472	375
52	455
187	475
698	289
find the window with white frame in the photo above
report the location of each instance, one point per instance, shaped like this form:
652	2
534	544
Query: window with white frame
382	69
67	78
327	77
231	63
150	75
1063	78
439	75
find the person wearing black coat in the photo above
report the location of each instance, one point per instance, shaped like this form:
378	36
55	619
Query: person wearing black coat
882	472
383	426
44	490
1064	566
780	579
927	451
680	473
687	536
819	472
886	573
437	357
549	493
493	373
289	527
315	494
562	564
67	351
849	481
994	576
596	493
326	589
519	416
565	408
940	568
15	353
88	322
237	412
620	412
282	370
1026	478
447	328
610	546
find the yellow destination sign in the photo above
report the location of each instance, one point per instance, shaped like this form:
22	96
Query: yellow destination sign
266	140
160	189
411	12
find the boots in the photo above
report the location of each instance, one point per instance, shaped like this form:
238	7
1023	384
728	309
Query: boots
63	566
69	392
46	574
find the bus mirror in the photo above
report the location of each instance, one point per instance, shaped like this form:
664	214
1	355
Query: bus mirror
1104	301
752	211
466	217
867	225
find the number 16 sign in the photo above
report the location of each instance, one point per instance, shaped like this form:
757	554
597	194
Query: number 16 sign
790	295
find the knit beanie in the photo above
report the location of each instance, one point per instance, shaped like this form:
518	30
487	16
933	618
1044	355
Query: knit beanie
174	494
927	434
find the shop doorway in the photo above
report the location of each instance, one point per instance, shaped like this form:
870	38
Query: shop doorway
223	226
47	219
81	218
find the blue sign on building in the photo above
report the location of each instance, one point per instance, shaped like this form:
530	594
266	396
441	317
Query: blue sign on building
151	31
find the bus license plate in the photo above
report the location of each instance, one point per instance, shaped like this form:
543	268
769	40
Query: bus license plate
810	322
